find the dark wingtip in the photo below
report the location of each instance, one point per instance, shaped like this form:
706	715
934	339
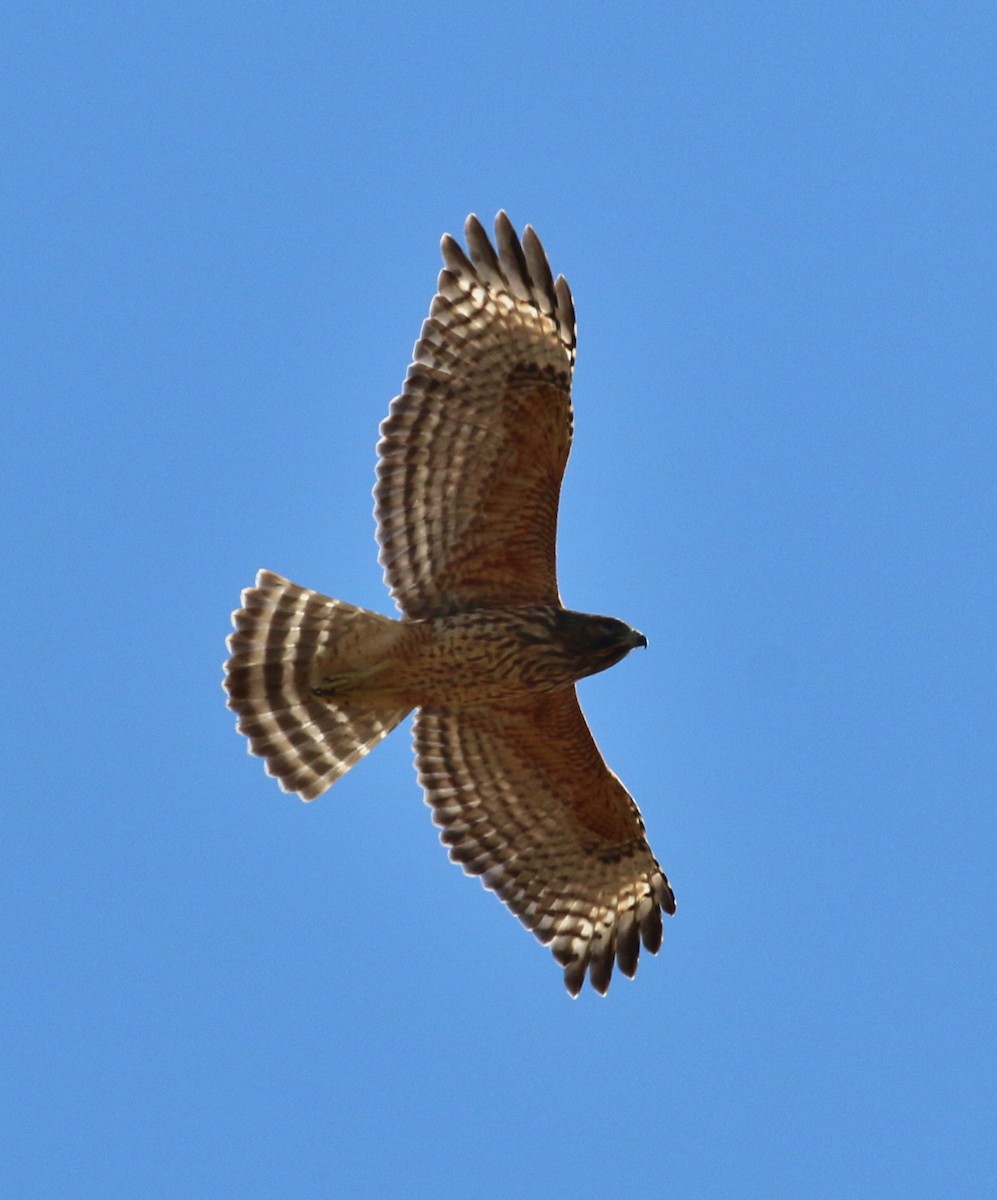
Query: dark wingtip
601	968
652	930
574	977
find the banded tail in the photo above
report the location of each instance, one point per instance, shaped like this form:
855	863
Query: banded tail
286	637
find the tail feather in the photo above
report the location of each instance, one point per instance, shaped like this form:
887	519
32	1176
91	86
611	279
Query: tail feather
282	633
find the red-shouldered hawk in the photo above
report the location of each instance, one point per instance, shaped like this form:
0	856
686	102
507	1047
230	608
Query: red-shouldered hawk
471	459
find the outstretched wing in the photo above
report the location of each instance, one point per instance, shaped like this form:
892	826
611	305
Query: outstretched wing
473	450
527	802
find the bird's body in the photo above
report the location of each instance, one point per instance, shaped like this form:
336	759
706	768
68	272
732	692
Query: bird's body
491	656
471	460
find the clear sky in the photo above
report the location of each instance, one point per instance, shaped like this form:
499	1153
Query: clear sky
220	237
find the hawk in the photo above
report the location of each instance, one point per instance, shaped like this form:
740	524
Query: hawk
471	458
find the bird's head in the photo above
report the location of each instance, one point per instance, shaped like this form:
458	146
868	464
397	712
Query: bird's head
595	643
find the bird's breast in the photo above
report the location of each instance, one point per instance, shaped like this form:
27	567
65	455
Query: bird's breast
492	656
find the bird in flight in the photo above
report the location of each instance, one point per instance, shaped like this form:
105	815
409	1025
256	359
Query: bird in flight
469	472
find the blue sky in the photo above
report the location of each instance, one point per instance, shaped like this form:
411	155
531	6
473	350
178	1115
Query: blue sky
221	229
